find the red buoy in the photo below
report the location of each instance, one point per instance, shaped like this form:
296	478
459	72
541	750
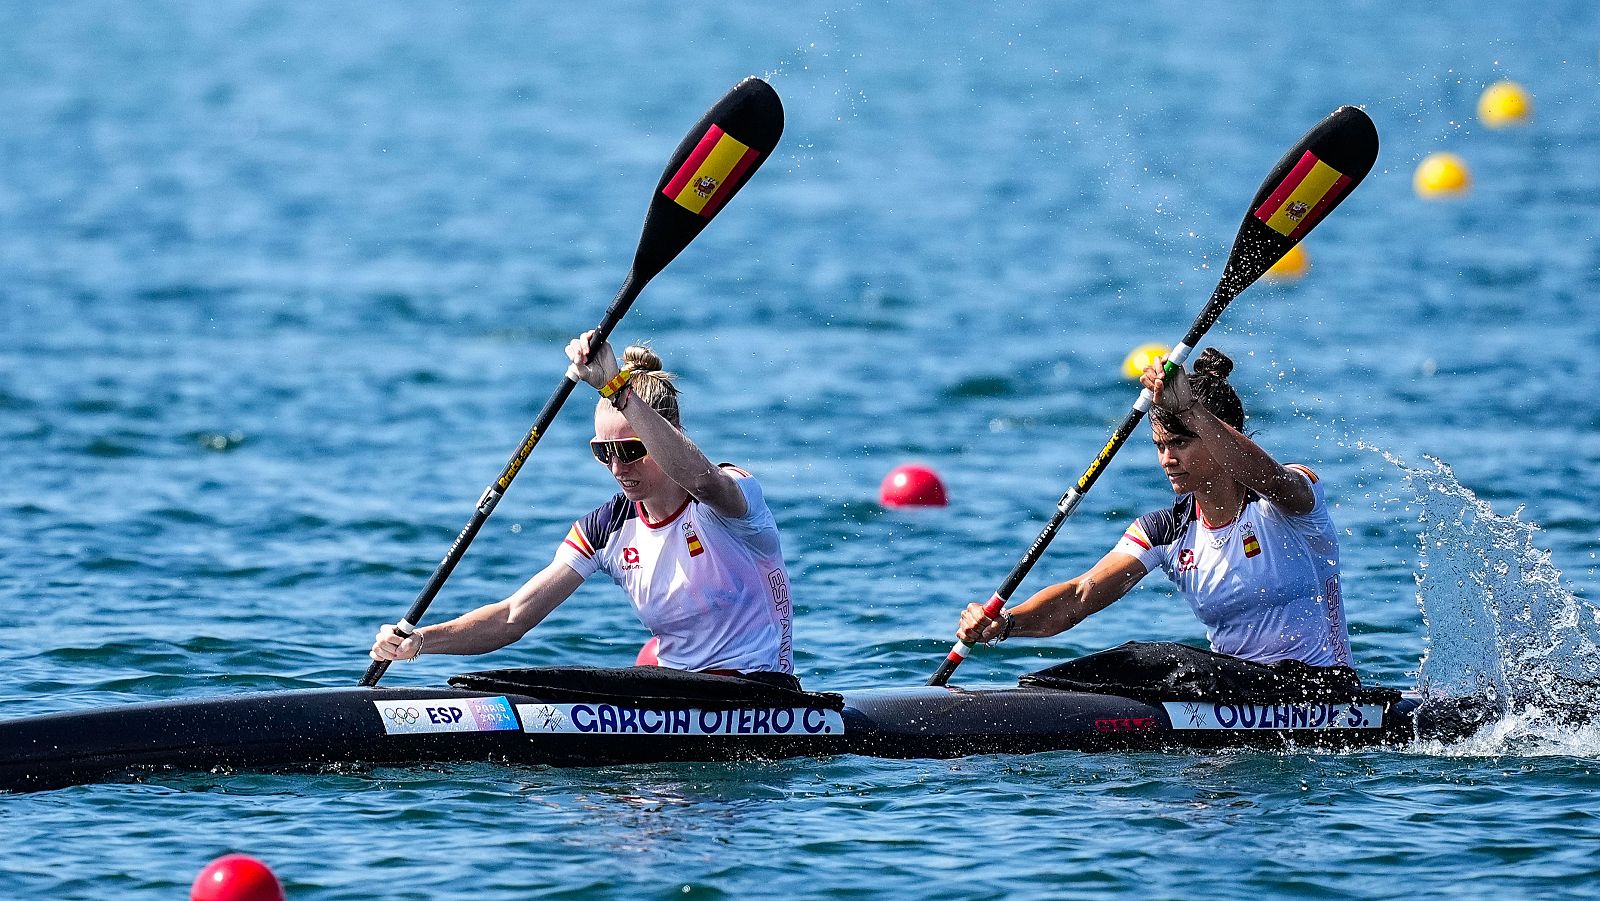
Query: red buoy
647	654
236	877
912	485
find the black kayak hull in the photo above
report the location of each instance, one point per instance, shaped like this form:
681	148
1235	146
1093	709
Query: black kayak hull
314	728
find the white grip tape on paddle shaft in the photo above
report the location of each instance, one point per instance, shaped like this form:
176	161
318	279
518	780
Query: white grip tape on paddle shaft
1148	397
406	628
962	649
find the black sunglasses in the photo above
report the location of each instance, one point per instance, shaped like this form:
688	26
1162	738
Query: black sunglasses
625	450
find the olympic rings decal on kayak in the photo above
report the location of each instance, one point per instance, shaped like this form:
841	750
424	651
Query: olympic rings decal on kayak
476	714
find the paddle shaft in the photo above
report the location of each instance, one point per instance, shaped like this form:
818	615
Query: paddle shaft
712	162
631	287
1310	181
1225	293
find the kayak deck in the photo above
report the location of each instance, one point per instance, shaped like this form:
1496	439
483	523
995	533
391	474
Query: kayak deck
311	728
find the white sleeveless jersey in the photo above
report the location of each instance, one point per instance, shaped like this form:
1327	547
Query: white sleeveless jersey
713	589
1266	586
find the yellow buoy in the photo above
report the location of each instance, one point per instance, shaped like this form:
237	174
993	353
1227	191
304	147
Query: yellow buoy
1140	357
1291	267
1503	104
1442	175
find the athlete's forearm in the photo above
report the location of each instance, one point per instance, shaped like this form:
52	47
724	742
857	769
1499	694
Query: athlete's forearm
475	632
493	626
1248	462
1050	611
683	461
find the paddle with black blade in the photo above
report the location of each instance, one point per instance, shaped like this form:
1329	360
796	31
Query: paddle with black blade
712	163
1311	179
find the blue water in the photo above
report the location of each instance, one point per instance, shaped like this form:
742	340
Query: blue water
283	285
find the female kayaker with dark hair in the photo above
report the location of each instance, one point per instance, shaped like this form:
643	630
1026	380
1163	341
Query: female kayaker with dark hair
693	544
1249	541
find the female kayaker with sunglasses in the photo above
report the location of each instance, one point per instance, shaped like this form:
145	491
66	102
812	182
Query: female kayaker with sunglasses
692	543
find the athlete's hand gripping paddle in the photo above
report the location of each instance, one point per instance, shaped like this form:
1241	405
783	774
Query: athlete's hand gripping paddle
1315	175
712	163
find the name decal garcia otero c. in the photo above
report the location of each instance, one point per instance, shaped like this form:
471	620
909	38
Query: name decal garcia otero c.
616	719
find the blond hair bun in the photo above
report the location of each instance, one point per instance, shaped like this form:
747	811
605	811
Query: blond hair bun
651	383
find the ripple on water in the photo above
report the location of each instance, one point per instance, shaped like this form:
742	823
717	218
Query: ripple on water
979	387
117	447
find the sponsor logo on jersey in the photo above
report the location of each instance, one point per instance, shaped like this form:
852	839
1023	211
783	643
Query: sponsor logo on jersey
693	540
616	719
1247	536
1301	716
447	715
1186	561
630	558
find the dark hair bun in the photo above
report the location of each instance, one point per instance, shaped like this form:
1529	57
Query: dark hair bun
1213	363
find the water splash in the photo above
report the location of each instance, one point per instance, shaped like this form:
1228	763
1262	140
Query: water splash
1501	624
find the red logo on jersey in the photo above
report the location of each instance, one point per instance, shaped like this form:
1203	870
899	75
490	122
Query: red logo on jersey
630	558
1186	560
695	547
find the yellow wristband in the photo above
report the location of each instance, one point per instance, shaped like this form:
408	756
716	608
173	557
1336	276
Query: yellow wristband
612	387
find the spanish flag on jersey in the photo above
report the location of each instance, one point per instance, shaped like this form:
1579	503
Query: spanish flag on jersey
1252	544
693	540
1304	196
717	161
577	542
1136	534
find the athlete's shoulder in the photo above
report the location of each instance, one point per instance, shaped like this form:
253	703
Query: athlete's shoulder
599	524
1303	470
1162	527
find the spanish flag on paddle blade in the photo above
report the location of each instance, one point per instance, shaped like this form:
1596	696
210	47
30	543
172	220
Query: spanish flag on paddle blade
719	160
1310	189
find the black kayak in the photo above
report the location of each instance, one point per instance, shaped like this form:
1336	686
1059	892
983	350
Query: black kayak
525	717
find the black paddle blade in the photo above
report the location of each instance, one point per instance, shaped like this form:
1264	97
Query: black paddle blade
1315	176
714	161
